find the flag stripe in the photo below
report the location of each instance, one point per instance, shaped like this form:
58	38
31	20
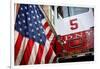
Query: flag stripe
52	58
45	25
46	48
52	41
43	21
21	51
49	34
39	54
34	53
52	38
27	52
50	51
15	36
47	58
47	30
18	45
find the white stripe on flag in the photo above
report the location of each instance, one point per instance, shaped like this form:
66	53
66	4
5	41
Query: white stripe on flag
46	48
34	53
51	37
52	57
47	30
43	21
21	51
15	36
53	54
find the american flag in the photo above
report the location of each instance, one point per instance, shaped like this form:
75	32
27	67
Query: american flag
34	39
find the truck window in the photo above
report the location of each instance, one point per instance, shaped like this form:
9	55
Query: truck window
63	11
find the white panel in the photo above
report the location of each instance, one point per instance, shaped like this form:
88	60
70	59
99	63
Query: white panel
84	21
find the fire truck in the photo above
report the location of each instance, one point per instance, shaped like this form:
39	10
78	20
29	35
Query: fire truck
74	27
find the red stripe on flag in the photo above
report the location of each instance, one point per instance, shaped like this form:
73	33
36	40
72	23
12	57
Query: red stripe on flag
49	34
39	54
27	52
45	25
50	51
54	60
18	45
49	54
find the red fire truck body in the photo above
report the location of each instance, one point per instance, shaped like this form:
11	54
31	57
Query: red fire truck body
76	43
75	31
